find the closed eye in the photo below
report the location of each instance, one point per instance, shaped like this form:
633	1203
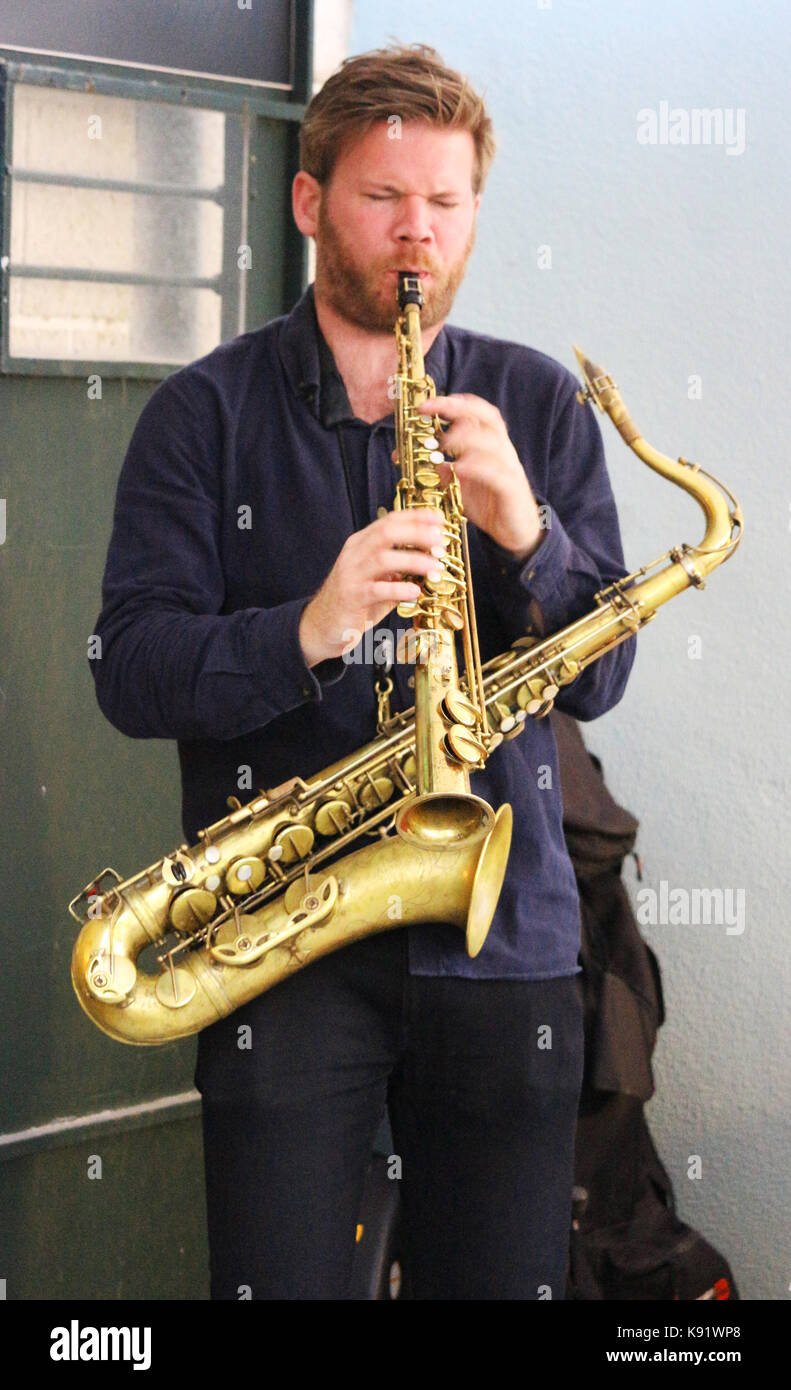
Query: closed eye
438	202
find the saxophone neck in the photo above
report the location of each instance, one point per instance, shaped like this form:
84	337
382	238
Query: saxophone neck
411	371
722	511
600	388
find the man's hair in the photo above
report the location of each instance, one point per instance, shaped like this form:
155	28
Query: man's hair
405	80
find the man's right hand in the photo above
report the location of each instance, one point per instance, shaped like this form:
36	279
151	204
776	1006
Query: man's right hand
365	582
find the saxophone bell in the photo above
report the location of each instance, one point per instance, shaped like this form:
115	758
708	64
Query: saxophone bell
442	820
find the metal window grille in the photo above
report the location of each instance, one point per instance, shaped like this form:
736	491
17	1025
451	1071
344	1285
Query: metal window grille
123	223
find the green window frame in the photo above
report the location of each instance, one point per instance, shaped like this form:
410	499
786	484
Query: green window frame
261	148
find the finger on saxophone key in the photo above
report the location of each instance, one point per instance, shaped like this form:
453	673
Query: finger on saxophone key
407	561
419	527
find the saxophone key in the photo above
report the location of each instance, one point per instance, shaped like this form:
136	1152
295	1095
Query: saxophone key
293	896
460	709
542	703
295	840
452	619
175	988
505	719
533	693
111	978
192	908
177	869
377	792
333	817
463	746
520	719
416	646
543	709
409	767
245	875
309	909
405	647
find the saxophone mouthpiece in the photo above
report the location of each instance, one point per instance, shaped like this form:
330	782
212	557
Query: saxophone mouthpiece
595	379
409	290
600	388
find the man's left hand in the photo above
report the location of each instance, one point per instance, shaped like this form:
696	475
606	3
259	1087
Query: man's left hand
495	492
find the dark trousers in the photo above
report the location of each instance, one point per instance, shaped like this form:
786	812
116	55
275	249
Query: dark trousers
481	1079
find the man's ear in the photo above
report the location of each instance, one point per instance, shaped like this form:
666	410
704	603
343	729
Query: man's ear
305	202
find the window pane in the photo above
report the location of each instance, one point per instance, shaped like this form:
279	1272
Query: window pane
95	230
113	323
170	226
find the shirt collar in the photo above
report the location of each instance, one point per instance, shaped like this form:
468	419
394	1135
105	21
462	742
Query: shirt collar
311	369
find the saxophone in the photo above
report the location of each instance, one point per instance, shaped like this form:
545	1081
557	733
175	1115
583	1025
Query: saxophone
250	903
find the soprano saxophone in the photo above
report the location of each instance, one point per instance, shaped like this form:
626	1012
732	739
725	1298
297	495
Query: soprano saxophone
250	903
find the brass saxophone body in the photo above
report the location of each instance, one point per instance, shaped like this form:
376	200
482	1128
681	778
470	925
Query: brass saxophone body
250	903
452	735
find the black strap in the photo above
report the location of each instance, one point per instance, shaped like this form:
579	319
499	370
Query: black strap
382	669
347	475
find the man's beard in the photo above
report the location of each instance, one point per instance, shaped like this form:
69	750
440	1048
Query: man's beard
365	296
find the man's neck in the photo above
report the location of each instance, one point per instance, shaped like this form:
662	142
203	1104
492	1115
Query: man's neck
365	359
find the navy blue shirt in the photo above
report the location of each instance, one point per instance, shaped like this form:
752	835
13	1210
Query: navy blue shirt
233	503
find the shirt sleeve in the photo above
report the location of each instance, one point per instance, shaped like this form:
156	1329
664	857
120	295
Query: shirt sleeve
579	554
169	663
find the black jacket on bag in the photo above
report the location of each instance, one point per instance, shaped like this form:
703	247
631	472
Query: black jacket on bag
627	1241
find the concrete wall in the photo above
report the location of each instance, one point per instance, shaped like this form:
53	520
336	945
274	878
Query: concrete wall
668	265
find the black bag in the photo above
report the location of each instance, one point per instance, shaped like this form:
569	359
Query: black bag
627	1241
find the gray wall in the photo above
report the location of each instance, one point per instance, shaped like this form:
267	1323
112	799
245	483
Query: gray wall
669	261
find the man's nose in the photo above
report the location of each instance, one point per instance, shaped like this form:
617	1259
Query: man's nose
413	223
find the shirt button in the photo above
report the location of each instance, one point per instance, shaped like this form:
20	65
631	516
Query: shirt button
306	691
532	574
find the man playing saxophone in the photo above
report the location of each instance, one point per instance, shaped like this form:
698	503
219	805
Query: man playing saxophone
240	641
